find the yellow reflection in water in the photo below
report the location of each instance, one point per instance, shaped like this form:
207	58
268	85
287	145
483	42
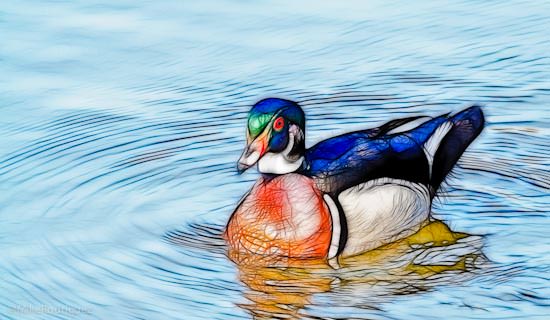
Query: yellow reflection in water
282	288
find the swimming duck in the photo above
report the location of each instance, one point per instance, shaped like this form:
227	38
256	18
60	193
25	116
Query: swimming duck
345	195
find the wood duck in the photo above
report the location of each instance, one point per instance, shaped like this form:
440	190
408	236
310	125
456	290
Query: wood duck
347	194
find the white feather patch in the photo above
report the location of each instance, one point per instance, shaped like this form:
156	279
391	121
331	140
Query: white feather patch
430	147
278	163
336	226
409	125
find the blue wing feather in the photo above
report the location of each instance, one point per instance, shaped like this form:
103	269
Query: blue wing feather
350	159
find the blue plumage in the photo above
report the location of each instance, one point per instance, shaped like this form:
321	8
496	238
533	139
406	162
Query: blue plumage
423	154
350	159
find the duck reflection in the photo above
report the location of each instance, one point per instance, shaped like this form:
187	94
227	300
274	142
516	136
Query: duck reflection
433	256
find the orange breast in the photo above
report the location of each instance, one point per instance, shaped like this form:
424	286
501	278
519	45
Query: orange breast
285	216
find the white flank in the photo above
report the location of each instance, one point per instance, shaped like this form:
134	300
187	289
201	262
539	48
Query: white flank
382	211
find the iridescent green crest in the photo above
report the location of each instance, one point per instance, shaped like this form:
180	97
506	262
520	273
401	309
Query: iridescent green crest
257	123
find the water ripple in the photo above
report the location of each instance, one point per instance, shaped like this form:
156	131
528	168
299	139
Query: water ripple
121	125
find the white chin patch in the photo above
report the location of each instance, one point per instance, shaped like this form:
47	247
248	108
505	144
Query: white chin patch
277	163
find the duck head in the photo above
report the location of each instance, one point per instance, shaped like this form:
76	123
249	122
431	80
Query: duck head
275	137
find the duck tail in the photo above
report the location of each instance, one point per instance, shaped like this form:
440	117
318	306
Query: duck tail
466	126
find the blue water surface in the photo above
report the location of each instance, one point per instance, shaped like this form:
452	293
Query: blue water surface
121	123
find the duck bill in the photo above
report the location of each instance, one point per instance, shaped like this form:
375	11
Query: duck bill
252	153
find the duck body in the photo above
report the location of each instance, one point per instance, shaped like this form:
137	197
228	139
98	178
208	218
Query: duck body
350	193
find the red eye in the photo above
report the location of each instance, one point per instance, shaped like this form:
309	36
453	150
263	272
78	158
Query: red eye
279	124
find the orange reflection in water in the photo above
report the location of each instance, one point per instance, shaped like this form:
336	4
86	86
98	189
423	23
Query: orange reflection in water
282	287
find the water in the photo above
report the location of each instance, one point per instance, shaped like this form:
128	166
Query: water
121	125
